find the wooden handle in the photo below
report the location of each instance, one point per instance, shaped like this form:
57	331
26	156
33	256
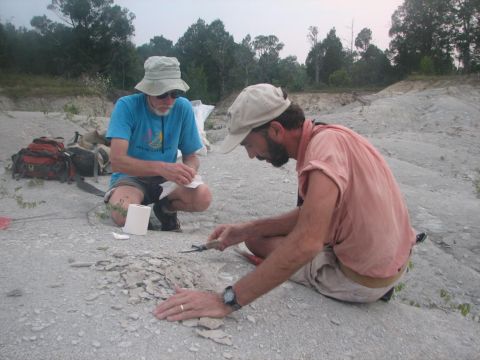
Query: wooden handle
213	244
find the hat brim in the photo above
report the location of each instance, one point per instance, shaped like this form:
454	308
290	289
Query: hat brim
232	141
159	87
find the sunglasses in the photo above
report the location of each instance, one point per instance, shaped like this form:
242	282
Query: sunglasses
173	94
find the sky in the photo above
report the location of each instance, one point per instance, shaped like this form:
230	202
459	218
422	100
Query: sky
289	20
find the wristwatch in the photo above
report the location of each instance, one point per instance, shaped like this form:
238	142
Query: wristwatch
230	299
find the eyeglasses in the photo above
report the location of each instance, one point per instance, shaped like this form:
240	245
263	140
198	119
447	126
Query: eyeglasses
173	94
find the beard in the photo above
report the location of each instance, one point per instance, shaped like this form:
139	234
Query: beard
160	113
277	153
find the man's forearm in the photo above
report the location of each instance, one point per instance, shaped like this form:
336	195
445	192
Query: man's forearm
280	225
192	161
277	268
136	167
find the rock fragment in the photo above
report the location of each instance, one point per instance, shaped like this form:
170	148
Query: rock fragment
219	336
210	323
190	322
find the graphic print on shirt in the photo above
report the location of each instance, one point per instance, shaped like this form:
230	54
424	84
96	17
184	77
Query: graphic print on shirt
154	141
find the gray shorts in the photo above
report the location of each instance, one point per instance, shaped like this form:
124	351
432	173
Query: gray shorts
324	275
149	186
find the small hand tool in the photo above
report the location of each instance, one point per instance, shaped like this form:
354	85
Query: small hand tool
198	248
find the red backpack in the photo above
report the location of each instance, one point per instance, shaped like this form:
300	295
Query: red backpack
44	158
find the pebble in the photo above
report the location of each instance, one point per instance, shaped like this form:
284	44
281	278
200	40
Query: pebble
335	321
81	333
92	297
116	307
15	293
134	316
251	319
193	349
227	355
81	264
75	342
96	344
119	254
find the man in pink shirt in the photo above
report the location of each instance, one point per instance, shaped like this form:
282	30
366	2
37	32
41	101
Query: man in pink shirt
350	238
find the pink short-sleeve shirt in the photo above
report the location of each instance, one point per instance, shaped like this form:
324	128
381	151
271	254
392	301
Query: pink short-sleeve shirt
370	230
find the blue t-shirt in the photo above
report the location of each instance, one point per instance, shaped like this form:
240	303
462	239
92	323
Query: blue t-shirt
150	136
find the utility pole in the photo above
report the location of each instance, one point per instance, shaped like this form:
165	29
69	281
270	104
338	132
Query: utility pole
351	41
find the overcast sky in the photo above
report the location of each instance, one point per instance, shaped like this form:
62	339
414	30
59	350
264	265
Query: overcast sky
287	19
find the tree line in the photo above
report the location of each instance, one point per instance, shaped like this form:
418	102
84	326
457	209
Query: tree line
93	38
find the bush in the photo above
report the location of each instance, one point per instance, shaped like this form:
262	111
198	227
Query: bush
339	78
426	66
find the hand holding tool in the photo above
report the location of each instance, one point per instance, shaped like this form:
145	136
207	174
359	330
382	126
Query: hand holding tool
207	246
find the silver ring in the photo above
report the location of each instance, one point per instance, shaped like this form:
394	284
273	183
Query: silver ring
181	307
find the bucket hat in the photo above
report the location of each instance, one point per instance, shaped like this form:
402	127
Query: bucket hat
255	106
162	74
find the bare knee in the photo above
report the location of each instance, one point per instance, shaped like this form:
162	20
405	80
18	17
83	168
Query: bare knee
119	201
118	215
206	199
202	199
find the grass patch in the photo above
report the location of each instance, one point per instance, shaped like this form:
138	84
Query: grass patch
399	287
464	309
22	85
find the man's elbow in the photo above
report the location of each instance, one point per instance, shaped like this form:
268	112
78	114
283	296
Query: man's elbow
116	163
309	250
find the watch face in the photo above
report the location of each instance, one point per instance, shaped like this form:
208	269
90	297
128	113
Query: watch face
228	296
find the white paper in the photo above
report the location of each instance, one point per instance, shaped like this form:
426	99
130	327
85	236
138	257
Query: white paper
197	181
118	236
169	186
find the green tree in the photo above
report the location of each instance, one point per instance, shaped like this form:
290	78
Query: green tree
316	52
158	46
362	41
291	75
98	31
245	63
210	48
372	68
467	31
422	28
268	50
334	56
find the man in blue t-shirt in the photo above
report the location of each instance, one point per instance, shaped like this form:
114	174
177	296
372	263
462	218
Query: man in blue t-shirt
146	131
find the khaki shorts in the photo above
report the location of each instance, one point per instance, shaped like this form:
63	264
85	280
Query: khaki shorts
324	275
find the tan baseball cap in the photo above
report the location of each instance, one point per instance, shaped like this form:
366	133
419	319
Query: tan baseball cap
162	74
255	106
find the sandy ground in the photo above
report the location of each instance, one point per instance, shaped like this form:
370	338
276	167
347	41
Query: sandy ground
69	290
